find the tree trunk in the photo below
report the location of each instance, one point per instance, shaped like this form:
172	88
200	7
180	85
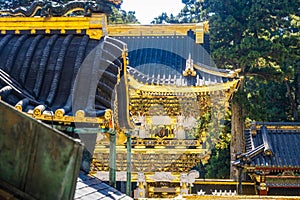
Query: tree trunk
293	100
297	95
237	144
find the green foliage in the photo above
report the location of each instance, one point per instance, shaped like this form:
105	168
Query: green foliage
245	31
261	38
192	12
213	128
264	100
219	164
164	18
119	16
202	127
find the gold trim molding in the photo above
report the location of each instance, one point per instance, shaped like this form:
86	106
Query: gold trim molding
94	26
230	85
159	30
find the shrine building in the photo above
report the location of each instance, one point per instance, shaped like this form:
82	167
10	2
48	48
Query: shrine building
271	158
149	83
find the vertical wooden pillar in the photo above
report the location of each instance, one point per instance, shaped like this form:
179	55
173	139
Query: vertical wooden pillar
240	186
263	190
128	177
112	158
237	136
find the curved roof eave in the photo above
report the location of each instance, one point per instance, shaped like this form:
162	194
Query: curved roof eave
230	85
216	71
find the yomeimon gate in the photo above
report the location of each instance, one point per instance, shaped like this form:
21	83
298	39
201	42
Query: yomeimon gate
148	84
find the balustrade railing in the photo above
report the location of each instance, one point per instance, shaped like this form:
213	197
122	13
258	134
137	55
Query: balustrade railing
155	142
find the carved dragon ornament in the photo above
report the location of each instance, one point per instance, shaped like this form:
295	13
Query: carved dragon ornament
55	9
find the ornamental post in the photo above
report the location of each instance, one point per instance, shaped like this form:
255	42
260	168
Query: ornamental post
112	157
128	177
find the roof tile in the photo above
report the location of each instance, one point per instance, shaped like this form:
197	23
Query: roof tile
89	187
284	142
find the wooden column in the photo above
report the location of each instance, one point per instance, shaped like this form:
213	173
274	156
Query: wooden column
128	177
237	136
112	158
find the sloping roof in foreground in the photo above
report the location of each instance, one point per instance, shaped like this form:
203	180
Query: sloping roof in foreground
273	145
89	187
53	72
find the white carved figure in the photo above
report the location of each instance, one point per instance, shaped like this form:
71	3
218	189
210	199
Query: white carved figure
141	178
162	176
142	120
180	120
189	122
180	133
184	183
141	181
183	178
100	136
142	129
192	175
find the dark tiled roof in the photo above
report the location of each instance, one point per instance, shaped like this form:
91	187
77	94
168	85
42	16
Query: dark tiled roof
89	188
276	146
40	70
162	59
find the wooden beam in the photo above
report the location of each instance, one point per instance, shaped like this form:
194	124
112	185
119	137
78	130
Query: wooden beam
94	26
159	30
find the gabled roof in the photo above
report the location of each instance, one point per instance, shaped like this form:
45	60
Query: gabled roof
272	145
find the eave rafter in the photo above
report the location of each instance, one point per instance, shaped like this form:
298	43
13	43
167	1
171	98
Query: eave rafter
229	87
216	72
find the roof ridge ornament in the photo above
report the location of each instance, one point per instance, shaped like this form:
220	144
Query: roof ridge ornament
51	8
189	67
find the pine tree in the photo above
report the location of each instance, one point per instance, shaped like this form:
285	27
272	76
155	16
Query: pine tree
119	16
260	38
